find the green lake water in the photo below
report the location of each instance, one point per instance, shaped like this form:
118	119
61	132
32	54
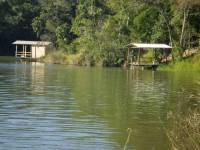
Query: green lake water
58	107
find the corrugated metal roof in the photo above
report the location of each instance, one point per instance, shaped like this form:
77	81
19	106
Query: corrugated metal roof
41	43
145	45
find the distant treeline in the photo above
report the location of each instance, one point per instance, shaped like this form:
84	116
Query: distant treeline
98	29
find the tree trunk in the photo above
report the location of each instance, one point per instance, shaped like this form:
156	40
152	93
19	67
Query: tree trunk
169	32
185	15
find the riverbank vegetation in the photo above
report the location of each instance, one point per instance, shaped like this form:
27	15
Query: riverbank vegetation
185	64
97	30
184	133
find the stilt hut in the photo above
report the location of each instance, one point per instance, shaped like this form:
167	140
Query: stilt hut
31	49
137	48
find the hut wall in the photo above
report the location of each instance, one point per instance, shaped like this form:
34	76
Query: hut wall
38	51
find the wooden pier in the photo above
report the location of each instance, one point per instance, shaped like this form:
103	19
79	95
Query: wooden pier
135	51
144	66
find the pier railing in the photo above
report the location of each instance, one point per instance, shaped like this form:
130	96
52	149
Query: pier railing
23	55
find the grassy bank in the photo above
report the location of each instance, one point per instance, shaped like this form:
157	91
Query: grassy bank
7	59
188	64
61	58
183	129
185	133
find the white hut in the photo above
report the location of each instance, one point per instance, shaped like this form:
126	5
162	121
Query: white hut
31	49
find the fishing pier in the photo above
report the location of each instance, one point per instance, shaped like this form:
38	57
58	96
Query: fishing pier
135	51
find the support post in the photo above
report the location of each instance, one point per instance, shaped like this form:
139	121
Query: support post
35	52
131	60
25	51
128	56
16	52
31	51
139	57
153	57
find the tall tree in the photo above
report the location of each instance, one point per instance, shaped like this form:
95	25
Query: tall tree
54	21
182	11
90	16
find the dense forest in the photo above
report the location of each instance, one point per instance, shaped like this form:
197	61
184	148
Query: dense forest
99	29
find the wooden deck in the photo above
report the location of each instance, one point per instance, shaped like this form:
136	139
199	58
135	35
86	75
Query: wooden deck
144	66
24	56
137	49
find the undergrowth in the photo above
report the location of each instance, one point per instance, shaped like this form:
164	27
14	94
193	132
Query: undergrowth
189	64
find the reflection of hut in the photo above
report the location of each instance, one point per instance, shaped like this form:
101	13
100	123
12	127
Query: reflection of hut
136	48
30	49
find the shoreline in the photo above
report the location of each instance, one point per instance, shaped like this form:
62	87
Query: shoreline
186	64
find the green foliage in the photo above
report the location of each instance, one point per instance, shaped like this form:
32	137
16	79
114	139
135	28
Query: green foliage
99	29
36	25
187	65
54	21
59	57
15	22
144	23
159	33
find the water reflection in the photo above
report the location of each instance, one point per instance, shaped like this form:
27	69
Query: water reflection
125	99
38	112
62	107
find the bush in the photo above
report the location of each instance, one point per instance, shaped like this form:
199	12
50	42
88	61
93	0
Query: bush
56	57
59	57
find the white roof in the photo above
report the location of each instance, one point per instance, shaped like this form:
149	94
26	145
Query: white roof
42	43
144	45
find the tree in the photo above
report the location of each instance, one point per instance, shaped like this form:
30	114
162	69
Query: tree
144	22
15	22
54	21
90	16
182	10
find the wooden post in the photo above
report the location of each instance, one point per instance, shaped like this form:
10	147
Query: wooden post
128	56
16	51
131	60
30	51
35	52
153	56
25	51
138	57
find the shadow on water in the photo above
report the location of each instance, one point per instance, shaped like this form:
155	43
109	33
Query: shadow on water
134	99
61	107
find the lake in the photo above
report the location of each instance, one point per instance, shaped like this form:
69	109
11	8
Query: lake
59	107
